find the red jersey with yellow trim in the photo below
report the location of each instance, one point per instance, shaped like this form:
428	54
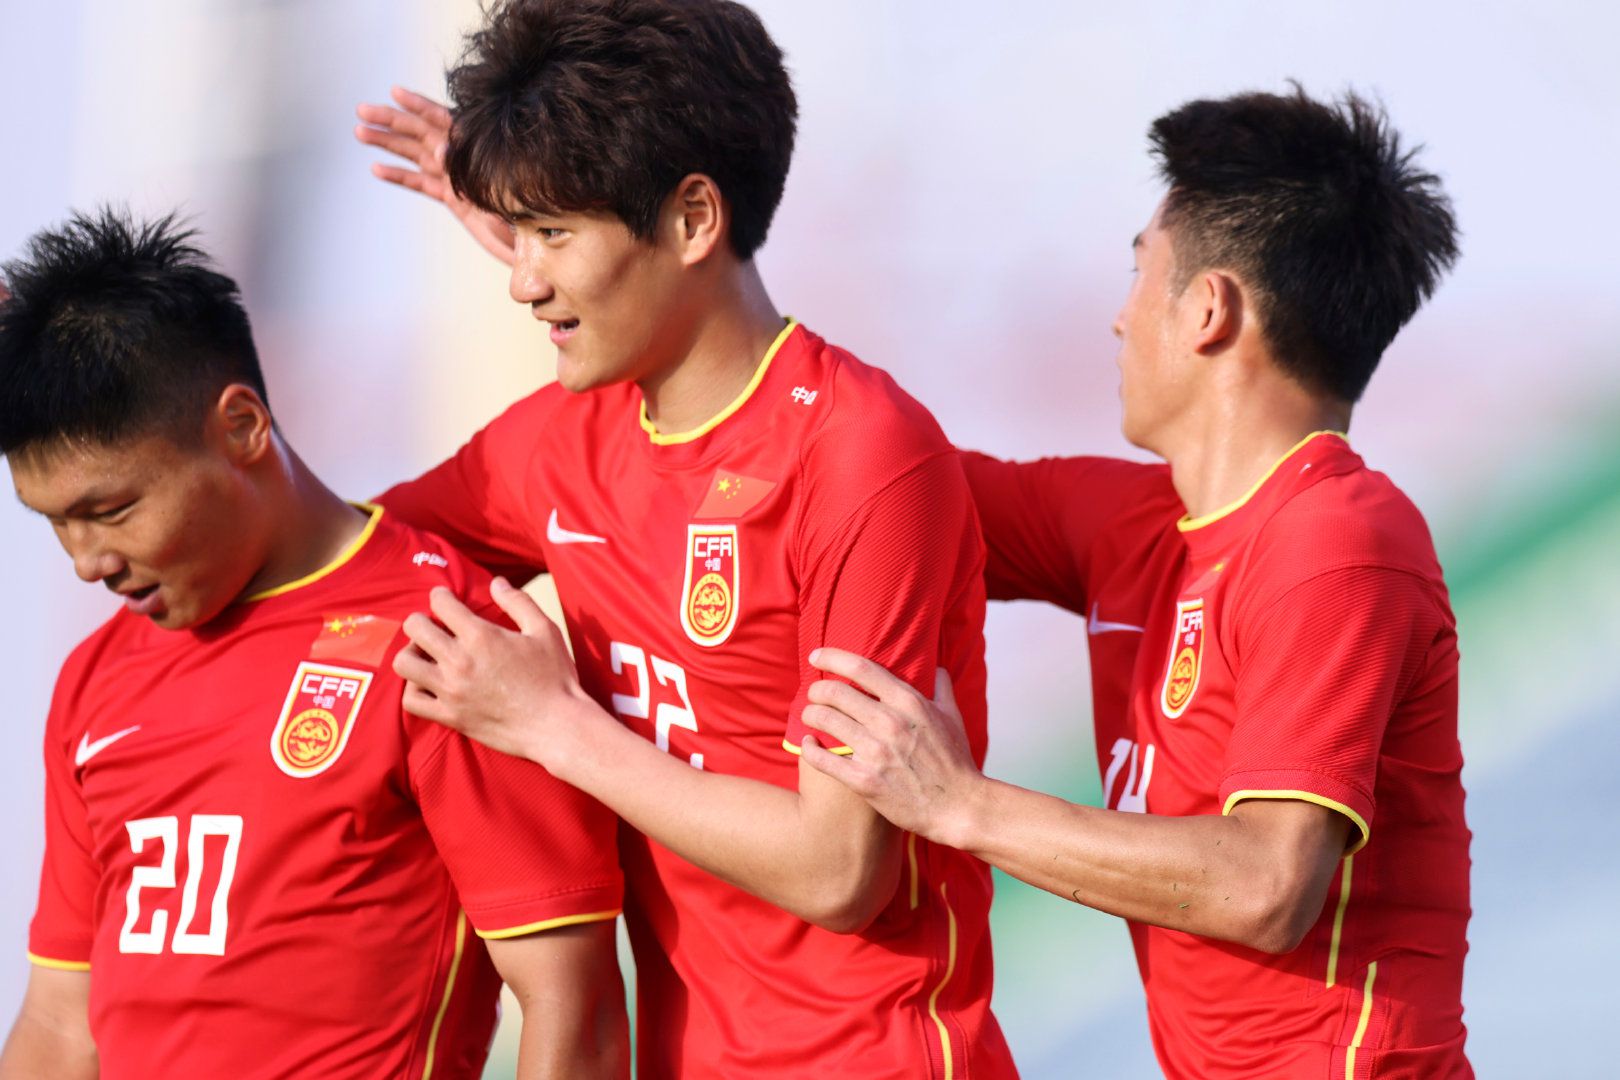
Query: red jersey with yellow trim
1296	645
697	572
271	870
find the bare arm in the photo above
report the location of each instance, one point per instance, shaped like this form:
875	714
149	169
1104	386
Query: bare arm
51	1036
567	982
1258	876
819	852
418	132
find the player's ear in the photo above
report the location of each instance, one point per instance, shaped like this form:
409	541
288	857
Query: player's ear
1217	306
696	216
241	420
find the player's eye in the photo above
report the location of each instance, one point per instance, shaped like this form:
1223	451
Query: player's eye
113	514
549	234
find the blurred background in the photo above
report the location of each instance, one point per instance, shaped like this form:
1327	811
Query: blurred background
967	183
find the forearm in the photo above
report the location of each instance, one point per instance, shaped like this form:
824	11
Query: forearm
824	855
565	1037
37	1047
1212	875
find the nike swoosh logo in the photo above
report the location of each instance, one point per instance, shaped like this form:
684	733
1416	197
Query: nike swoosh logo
1096	626
559	535
88	749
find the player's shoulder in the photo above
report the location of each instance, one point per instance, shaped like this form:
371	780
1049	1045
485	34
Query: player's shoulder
411	562
122	640
1355	517
867	424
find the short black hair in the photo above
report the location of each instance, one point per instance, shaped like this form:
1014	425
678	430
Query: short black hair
574	105
117	328
1318	208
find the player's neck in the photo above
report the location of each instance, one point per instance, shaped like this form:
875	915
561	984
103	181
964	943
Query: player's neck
725	347
309	526
1233	440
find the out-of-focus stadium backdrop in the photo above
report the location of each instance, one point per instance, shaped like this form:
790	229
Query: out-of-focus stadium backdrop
967	183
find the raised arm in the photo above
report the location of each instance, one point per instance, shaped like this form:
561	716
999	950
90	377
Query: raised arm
51	1035
416	130
567	983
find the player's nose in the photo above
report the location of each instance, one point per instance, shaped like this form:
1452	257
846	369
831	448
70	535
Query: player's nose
93	562
528	284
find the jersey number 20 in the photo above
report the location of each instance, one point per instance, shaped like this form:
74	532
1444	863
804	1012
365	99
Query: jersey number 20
166	831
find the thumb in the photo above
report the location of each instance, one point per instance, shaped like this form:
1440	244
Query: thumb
519	607
944	695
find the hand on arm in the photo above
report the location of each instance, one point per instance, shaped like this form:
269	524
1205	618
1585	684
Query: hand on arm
567	982
51	1036
418	132
1257	876
819	852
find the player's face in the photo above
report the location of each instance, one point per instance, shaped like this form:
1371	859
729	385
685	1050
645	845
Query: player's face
1157	372
613	301
162	525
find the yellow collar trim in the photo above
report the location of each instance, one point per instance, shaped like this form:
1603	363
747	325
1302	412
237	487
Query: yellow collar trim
726	413
1188	524
348	553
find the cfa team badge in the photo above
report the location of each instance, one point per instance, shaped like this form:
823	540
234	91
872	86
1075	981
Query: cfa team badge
317	718
709	598
1186	654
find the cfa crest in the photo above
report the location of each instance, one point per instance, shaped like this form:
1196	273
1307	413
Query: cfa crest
709	598
317	718
1186	655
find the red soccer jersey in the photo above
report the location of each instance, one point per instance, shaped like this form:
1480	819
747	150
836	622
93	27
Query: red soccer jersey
697	572
1296	645
268	867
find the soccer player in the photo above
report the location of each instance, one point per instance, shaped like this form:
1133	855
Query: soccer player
716	491
1274	655
256	863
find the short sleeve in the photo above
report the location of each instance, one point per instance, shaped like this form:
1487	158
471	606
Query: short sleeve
1043	520
478	498
884	584
526	851
63	927
1319	674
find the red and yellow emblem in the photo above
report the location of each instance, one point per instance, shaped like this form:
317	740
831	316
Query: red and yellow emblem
709	599
317	718
1186	655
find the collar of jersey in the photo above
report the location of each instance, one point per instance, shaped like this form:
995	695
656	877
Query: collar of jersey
1190	524
726	413
336	564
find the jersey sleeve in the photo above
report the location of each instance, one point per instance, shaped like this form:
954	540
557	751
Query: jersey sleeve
882	583
478	499
63	927
1043	520
1319	673
526	851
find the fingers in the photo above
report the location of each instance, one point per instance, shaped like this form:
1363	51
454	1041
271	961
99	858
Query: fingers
871	677
419	702
837	766
386	118
944	694
415	666
842	730
409	178
412	149
457	617
847	700
425	107
428	637
520	608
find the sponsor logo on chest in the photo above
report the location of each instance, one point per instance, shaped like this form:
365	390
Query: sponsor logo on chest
1186	657
710	595
317	718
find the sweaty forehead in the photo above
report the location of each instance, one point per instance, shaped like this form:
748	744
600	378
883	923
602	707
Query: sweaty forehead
69	476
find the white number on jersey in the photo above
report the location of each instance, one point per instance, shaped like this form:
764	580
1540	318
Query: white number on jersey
636	706
1133	795
166	830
